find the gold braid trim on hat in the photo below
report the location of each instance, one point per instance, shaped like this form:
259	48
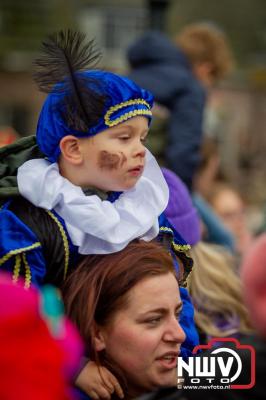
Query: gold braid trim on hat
127	115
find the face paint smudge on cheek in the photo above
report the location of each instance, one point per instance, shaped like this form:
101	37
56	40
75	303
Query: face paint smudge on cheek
110	161
123	158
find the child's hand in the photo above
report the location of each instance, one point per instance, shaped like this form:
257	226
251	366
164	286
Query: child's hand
98	382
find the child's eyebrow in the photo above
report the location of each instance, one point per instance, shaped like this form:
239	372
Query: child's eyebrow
127	128
121	129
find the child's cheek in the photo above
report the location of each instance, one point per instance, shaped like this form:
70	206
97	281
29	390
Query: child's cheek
110	161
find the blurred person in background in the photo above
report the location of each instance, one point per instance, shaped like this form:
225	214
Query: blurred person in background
39	349
8	135
253	274
253	277
214	285
207	173
230	207
180	73
217	294
209	168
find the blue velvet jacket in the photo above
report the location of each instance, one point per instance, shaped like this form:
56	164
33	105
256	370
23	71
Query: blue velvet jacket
35	246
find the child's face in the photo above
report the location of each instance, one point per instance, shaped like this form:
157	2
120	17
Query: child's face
114	159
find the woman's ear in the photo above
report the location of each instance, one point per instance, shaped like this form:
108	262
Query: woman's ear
98	338
70	149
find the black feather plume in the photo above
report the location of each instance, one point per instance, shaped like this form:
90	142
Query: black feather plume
64	55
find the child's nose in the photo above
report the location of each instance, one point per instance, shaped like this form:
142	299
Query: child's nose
140	150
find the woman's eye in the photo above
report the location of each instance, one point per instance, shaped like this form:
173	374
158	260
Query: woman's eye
177	316
154	321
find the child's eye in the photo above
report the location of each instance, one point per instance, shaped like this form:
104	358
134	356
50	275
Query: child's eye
144	139
124	138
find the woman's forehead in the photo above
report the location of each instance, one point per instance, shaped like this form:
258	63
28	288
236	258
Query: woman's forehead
154	292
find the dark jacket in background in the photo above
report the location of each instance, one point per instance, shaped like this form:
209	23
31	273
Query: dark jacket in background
159	66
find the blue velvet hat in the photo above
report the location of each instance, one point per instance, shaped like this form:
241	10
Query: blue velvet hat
81	101
123	100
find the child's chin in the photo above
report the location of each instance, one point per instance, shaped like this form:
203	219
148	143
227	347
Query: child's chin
127	187
124	186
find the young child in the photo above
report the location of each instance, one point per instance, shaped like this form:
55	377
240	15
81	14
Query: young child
89	185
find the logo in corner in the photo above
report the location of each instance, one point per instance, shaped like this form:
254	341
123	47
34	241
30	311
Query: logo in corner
224	363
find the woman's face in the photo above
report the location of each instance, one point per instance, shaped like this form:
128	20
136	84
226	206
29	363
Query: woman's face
144	338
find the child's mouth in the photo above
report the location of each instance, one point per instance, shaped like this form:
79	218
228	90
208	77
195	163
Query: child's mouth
136	171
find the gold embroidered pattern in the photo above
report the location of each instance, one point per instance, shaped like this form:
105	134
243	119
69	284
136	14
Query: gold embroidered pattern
16	271
27	272
181	247
166	229
12	253
127	115
178	247
65	241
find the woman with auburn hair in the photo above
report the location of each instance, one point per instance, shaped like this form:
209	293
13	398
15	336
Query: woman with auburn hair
126	306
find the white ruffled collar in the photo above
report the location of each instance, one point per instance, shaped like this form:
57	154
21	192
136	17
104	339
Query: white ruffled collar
98	226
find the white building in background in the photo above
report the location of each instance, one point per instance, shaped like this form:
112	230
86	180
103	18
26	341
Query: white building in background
114	25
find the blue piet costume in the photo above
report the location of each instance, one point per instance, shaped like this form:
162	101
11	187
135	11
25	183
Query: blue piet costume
49	223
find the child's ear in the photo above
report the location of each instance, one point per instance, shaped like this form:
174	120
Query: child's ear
70	149
98	338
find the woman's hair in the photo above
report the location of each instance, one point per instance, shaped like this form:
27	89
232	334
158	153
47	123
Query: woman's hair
204	42
99	287
216	292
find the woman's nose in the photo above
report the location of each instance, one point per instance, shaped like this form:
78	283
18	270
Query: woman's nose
174	332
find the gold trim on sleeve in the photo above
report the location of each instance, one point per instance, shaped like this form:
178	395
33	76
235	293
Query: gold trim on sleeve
12	253
16	270
27	272
64	238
